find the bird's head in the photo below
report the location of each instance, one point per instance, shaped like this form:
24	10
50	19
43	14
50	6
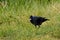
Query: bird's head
31	17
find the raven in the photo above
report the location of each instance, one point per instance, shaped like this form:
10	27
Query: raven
37	21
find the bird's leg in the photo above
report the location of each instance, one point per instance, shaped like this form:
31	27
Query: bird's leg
35	25
39	26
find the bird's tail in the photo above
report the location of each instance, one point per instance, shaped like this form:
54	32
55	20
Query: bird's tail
46	19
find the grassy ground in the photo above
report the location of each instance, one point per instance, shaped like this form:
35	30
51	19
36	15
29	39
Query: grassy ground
15	24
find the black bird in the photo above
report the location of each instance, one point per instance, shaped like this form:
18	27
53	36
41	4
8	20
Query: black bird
37	21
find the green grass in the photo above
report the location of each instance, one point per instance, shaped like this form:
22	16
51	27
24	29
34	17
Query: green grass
15	24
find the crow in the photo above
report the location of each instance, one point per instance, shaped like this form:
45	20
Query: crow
37	21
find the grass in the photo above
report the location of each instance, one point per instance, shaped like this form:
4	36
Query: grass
15	24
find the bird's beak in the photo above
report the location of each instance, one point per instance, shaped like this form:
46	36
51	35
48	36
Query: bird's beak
29	19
